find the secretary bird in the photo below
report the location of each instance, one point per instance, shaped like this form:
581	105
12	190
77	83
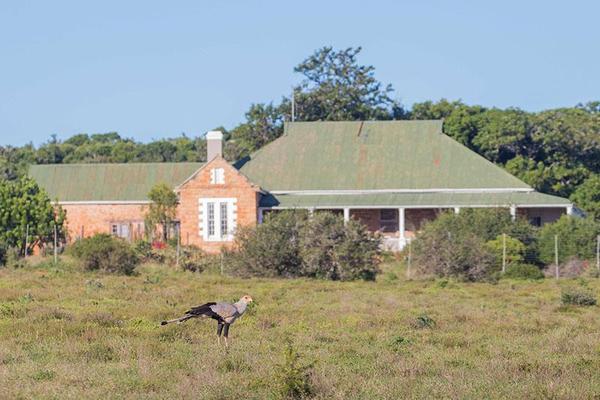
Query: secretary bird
224	313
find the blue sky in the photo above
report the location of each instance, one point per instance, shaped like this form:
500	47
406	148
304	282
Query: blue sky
153	69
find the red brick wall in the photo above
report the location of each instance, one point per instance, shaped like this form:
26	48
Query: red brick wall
96	218
236	186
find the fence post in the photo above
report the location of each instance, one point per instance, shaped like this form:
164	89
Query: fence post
221	259
178	248
556	256
26	239
409	260
503	253
598	253
55	245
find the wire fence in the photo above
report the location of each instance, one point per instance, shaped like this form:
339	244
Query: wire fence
558	257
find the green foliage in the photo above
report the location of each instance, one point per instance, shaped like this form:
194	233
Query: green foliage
106	253
271	248
424	321
523	271
576	238
515	249
294	378
25	204
577	297
587	196
454	245
290	244
162	209
331	250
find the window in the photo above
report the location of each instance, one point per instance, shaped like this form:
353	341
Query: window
120	229
210	215
388	220
217	219
223	213
536	221
217	176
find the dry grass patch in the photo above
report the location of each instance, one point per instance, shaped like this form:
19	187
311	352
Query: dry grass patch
69	334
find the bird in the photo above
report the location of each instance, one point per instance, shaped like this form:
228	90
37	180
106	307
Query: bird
224	313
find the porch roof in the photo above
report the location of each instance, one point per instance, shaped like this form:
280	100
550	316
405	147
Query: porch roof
413	200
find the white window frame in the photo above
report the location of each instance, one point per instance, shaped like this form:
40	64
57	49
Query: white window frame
217	176
231	218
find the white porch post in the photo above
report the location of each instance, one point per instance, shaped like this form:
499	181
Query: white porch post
346	215
401	227
260	216
513	212
570	210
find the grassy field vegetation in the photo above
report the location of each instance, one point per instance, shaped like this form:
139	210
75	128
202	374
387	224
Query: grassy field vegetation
71	334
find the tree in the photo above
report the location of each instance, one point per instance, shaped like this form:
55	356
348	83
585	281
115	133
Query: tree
337	88
162	209
24	205
587	196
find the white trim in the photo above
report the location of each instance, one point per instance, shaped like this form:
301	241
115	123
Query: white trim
374	191
231	218
103	202
366	207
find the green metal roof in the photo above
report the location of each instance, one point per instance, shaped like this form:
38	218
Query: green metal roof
426	200
371	155
108	182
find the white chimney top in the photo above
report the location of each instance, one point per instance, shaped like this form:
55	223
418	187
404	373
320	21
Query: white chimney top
214	144
218	135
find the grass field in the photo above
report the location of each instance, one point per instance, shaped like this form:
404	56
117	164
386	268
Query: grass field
68	334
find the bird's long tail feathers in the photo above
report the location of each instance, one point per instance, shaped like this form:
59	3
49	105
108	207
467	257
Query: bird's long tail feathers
181	319
203	311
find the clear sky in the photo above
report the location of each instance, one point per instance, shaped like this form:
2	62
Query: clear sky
153	69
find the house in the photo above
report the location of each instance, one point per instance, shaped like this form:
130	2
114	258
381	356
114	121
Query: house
391	175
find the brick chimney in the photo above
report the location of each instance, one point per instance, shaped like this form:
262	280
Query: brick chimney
214	145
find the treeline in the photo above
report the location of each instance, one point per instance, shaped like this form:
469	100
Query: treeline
556	151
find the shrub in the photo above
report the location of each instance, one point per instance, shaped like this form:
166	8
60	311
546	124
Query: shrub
454	245
331	250
293	378
290	244
572	268
270	249
578	297
523	271
576	238
514	249
106	253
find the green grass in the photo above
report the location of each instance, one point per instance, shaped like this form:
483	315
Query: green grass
68	334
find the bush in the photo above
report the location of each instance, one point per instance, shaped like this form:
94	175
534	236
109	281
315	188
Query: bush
294	379
577	297
514	250
289	244
576	238
106	253
331	250
523	271
454	245
572	268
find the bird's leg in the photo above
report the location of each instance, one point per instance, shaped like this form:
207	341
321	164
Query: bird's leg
226	334
219	330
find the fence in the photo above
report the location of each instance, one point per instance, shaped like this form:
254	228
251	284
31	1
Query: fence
557	256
